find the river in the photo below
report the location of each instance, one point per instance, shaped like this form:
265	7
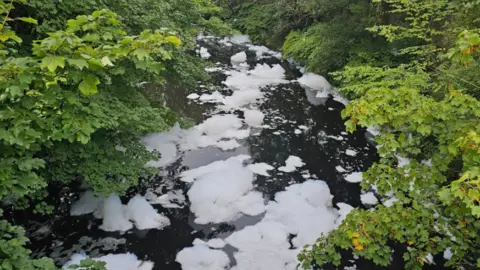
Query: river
285	150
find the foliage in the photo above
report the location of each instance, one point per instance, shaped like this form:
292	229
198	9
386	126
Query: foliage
89	264
14	255
321	35
184	18
428	111
72	112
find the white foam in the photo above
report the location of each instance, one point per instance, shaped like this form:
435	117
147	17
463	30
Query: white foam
127	261
212	131
263	246
86	204
201	257
227	145
291	164
340	169
190	175
217	125
239	58
262	52
216	243
193	96
213	69
253	118
402	161
144	215
390	202
447	254
351	152
204	53
172	199
261	76
368	198
344	210
317	83
355	177
251	204
242	98
164	143
113	215
222	191
260	168
215	97
375	131
303	210
240	39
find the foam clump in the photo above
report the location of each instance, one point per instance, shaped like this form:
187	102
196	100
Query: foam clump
343	211
212	132
216	243
351	152
316	83
303	210
222	191
355	177
263	246
242	98
201	257
144	215
253	118
172	199
291	164
240	39
86	204
218	125
261	76
227	145
193	96
368	198
113	214
164	143
239	58
263	52
204	53
127	261
260	168
215	97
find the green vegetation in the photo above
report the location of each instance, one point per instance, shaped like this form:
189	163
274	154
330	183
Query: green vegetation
70	101
411	68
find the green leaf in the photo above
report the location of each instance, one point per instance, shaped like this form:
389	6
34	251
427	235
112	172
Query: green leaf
80	63
141	53
88	86
52	62
28	20
106	61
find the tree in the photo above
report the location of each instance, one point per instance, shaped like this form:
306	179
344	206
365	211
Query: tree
432	120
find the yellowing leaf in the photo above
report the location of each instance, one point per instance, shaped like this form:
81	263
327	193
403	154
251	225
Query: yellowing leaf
174	40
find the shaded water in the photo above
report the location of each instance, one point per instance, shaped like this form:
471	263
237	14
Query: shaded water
286	107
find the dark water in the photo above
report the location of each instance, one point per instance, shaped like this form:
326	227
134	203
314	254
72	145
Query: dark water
60	236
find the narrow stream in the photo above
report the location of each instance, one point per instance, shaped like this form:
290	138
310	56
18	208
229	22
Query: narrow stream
260	114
